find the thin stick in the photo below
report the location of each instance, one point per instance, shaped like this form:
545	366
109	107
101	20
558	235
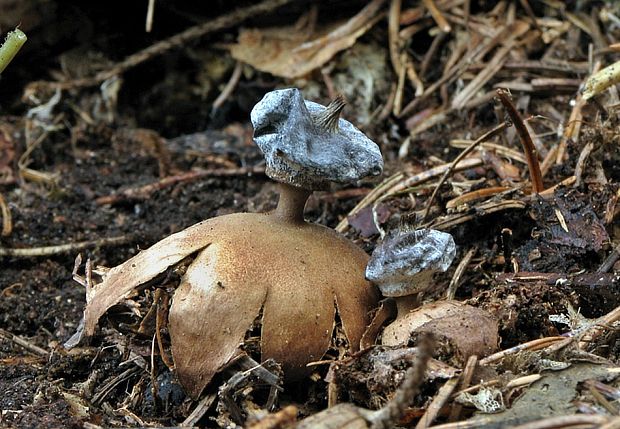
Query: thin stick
161	321
573	127
530	13
478	194
611	408
200	410
150	11
581	162
526	141
458	273
62	248
530	345
571	131
427	175
388	416
143	192
491	68
229	88
175	42
486	136
112	382
7	223
400	87
441	21
468	374
611	259
566	182
412	75
393	39
438	402
595	330
430	54
500	150
23	343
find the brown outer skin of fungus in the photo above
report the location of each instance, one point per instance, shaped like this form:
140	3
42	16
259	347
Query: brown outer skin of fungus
471	330
297	272
122	280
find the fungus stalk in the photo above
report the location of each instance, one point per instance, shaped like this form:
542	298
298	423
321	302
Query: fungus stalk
404	304
291	203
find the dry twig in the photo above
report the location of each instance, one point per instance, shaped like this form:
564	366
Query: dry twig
22	342
175	42
7	222
486	136
388	416
531	154
229	88
438	402
468	374
145	191
63	248
437	15
458	273
538	344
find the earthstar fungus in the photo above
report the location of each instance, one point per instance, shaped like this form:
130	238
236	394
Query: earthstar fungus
292	274
403	267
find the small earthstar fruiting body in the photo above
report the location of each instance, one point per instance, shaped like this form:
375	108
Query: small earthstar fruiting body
294	275
406	260
403	267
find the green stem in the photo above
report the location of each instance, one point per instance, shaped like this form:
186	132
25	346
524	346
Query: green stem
13	43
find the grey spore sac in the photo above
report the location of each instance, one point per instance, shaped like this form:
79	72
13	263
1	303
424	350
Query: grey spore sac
307	146
405	261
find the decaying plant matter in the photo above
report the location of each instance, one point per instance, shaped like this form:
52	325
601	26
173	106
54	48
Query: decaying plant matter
295	275
349	416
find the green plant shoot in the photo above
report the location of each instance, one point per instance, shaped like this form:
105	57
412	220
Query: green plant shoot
12	44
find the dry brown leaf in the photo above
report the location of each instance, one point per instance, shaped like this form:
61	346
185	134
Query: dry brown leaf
286	51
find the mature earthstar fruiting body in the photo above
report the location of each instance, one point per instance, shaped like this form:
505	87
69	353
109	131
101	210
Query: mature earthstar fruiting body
292	274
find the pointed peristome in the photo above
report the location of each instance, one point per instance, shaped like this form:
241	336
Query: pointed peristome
300	148
328	118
